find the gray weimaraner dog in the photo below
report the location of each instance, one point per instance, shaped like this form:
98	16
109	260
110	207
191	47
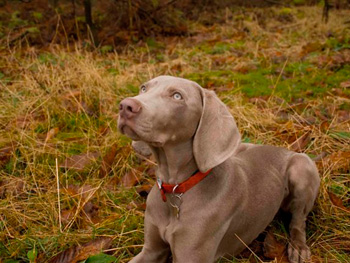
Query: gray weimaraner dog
214	194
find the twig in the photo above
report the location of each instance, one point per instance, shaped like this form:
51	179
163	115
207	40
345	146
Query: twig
325	13
279	77
274	2
165	5
248	248
58	197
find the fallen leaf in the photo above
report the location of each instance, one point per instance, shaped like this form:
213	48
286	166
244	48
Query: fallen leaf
6	153
256	247
308	120
311	47
90	212
13	186
107	160
103	130
337	201
143	190
130	179
224	88
324	126
51	133
80	253
80	162
340	160
23	122
316	259
339	92
301	142
345	84
83	192
323	115
244	67
274	249
67	215
71	93
343	115
136	205
73	102
282	116
151	170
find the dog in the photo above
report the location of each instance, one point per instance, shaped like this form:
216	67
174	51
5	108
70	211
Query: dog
213	194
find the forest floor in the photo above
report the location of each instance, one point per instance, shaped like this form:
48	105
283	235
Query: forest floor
71	185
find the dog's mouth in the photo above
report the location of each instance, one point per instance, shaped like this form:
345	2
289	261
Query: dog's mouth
128	131
136	135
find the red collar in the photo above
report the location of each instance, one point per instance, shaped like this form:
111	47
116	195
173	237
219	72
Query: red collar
182	187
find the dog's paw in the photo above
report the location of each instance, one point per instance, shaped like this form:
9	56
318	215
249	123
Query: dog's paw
298	253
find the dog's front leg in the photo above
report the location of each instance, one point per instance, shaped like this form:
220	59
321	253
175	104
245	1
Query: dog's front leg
191	246
191	254
155	250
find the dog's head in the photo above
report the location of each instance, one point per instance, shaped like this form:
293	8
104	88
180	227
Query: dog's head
170	110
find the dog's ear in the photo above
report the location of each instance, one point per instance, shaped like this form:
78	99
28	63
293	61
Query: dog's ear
217	136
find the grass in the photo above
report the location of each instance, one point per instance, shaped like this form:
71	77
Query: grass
277	85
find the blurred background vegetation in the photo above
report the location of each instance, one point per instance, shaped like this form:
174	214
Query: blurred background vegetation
111	23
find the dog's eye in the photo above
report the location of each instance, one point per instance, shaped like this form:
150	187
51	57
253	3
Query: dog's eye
177	96
143	89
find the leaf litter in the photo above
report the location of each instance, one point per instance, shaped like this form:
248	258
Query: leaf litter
78	253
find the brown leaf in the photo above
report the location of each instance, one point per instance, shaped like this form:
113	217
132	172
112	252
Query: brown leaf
256	247
67	215
130	179
51	133
22	122
143	190
337	201
107	160
244	67
340	160
345	84
13	186
343	115
228	87
311	47
301	142
339	92
80	253
73	102
324	126
136	205
103	130
316	259
77	191
6	153
274	249
80	162
70	94
90	212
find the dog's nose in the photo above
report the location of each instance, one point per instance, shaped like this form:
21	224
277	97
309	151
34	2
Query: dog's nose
129	108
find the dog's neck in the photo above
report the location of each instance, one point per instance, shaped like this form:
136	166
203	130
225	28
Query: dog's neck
176	163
